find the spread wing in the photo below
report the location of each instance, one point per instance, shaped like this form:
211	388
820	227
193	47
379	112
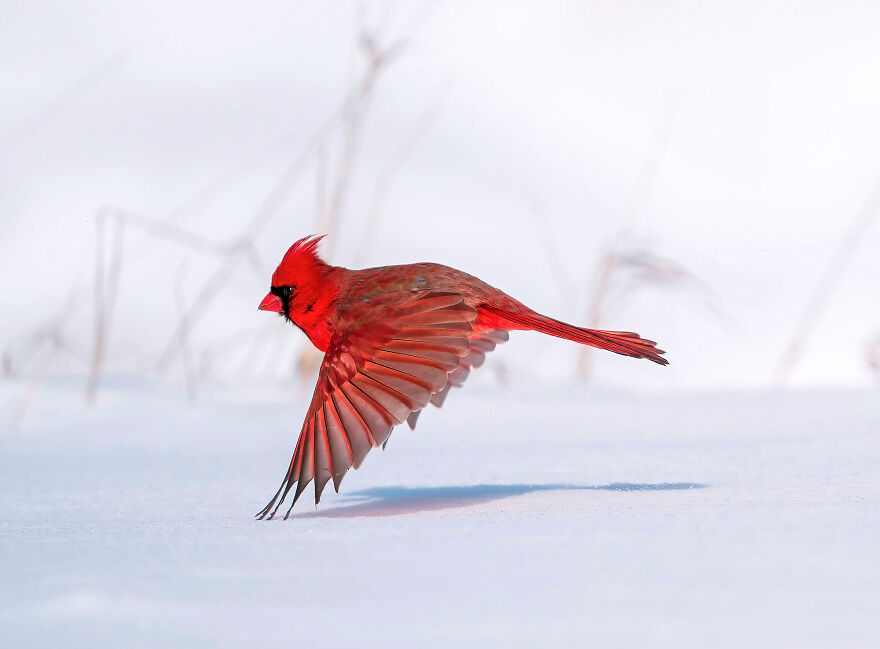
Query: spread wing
480	345
376	372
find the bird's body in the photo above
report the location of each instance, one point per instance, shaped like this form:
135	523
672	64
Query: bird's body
346	291
395	338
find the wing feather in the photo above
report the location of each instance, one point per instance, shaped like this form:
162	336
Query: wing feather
480	344
390	400
341	454
307	467
323	460
413	366
376	418
431	302
374	375
355	427
405	383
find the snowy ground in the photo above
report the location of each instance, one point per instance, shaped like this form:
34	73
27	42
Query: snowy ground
511	518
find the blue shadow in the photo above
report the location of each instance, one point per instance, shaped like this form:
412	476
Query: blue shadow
396	501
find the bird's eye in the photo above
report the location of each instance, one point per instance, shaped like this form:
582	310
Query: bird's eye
286	291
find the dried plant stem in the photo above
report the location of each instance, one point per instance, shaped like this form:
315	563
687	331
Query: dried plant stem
33	386
99	312
186	359
607	268
79	88
309	359
392	167
106	286
827	285
553	256
872	355
351	139
108	270
646	178
279	193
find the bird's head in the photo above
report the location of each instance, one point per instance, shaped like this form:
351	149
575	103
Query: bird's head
299	284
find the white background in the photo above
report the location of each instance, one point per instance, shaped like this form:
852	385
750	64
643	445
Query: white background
756	123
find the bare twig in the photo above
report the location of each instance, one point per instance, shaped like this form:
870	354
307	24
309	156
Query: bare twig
646	178
393	166
563	282
34	384
827	285
320	187
105	295
51	340
108	272
606	270
872	355
186	359
76	90
112	223
643	185
377	58
276	197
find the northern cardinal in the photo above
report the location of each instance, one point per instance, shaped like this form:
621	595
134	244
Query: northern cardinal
395	338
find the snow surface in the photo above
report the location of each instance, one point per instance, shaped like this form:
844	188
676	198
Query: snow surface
515	517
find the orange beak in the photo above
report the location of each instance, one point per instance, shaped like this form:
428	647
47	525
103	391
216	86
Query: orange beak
270	303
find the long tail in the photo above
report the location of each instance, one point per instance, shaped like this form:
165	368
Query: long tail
619	342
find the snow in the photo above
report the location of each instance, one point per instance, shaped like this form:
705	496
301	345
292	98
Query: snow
523	516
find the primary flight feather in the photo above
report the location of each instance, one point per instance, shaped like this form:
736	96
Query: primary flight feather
395	339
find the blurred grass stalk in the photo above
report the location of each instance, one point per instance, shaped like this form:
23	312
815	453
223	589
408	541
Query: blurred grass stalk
872	354
351	114
827	284
608	265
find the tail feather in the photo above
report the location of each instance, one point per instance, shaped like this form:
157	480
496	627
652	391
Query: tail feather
626	343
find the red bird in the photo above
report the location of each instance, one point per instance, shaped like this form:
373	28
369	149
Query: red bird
396	338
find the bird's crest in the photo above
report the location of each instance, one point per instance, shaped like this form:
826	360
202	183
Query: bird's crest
300	259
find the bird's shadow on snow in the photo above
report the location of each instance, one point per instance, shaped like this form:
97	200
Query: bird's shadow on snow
396	501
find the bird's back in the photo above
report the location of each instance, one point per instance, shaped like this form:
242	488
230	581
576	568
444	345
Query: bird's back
424	276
